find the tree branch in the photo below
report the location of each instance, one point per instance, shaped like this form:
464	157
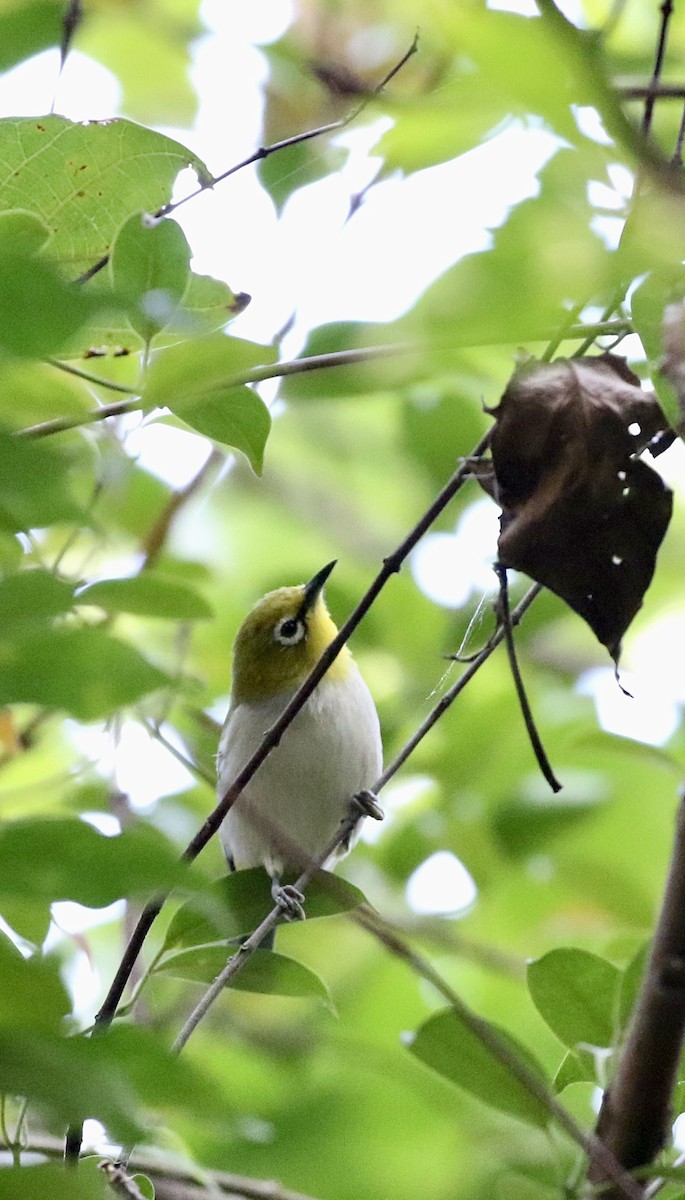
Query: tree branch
625	1186
298	366
178	1182
634	1120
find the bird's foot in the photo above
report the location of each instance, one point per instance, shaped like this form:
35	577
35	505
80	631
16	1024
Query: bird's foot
289	900
365	804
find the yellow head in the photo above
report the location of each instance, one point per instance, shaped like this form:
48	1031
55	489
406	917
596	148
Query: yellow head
281	639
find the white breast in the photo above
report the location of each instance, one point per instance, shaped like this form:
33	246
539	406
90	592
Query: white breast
299	795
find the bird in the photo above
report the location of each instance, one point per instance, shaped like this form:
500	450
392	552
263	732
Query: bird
332	751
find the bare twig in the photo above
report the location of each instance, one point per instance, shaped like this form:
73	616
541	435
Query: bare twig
174	1181
86	375
263	152
298	366
666	10
297	139
531	728
634	1120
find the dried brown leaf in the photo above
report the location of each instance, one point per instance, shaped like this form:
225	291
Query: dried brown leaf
581	513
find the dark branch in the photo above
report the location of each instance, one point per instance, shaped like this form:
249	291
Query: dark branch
634	1121
666	11
531	729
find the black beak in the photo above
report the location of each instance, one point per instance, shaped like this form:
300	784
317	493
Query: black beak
314	588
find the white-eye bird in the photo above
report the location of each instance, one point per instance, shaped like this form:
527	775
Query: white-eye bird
298	797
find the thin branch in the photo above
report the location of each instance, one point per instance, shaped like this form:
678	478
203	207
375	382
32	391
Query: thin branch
86	375
658	91
531	728
635	1118
263	152
177	1176
190	765
237	961
297	139
596	1151
298	366
678	149
666	10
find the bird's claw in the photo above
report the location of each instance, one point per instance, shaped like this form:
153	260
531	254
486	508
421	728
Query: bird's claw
289	900
365	804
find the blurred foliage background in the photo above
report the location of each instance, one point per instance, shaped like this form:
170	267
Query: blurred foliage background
322	1095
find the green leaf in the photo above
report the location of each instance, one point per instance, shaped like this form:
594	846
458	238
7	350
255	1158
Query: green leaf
28	26
576	993
648	302
32	995
110	1078
576	1067
35	486
233	906
209	303
196	369
84	671
447	1045
51	1179
23	231
63	858
265	971
197	381
39	310
147	595
237	417
631	982
84	180
29	918
145	1186
32	595
150	265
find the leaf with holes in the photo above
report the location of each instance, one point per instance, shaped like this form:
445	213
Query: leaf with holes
581	513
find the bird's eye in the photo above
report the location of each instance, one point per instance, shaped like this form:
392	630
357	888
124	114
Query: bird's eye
289	631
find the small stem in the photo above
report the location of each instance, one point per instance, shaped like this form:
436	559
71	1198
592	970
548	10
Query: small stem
666	10
531	729
314	362
103	383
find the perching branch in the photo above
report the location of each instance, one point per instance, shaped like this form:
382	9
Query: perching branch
272	737
634	1121
238	960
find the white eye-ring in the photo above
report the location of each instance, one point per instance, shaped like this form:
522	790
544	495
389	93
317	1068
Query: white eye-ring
289	631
